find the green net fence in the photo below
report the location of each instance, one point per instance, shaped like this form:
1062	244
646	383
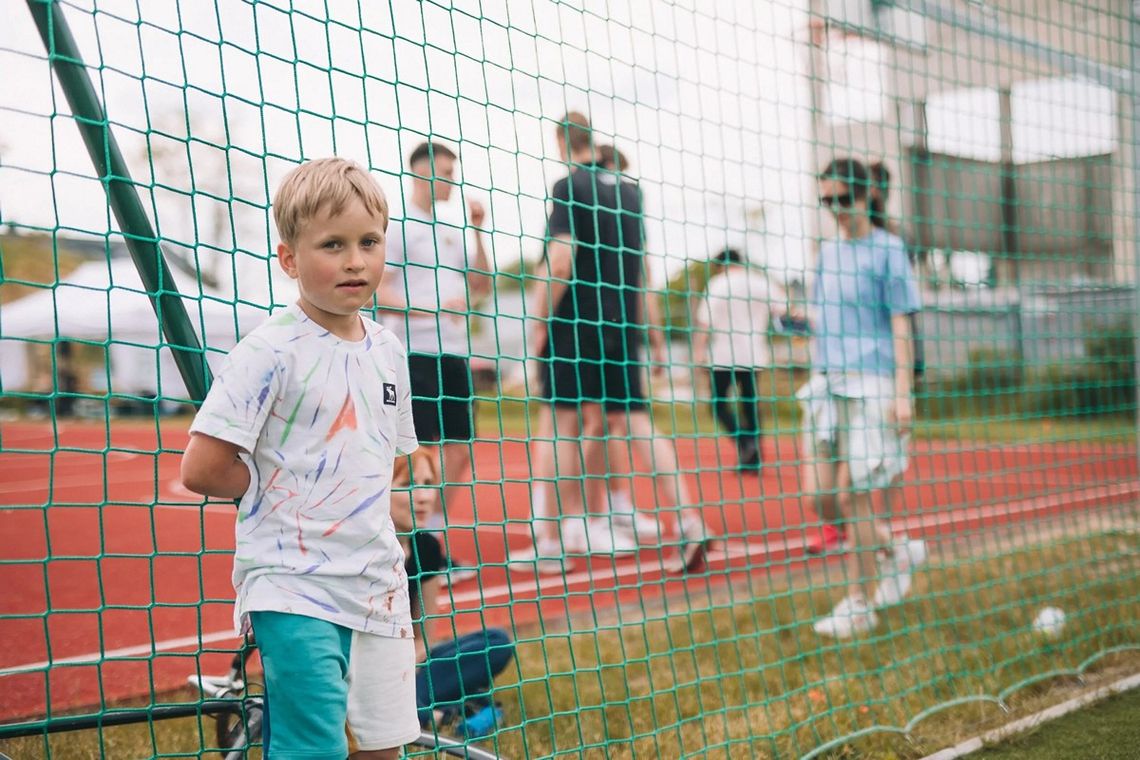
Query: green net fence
836	302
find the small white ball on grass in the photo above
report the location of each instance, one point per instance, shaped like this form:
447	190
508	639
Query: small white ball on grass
1050	622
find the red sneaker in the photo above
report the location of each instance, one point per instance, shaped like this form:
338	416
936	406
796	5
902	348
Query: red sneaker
828	538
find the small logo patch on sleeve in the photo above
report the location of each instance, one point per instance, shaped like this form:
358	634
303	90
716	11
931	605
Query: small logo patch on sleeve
389	394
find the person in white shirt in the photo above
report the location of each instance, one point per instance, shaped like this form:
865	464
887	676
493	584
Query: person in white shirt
731	339
429	287
303	424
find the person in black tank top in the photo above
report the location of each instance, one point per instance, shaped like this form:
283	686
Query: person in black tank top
588	330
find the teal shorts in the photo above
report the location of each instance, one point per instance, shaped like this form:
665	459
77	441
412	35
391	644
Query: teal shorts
330	690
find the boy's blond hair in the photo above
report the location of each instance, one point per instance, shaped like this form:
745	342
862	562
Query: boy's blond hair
325	183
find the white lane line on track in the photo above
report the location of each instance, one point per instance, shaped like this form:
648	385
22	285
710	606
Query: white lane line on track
735	549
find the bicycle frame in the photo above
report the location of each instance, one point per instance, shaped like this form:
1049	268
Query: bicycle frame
220	702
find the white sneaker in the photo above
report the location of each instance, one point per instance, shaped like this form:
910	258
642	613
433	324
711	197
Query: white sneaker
696	542
575	532
544	558
627	519
850	617
603	537
637	526
896	572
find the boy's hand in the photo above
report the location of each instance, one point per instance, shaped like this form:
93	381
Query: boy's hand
421	651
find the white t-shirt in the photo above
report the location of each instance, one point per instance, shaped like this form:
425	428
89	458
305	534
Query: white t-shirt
736	312
429	266
322	419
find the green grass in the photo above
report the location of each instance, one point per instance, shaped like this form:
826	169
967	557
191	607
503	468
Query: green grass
1108	730
738	671
508	418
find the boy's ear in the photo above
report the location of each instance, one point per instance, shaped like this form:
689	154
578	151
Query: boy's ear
287	259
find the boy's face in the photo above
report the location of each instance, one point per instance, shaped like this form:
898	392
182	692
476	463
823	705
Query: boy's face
438	174
337	262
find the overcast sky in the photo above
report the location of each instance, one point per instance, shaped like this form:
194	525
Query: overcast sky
711	101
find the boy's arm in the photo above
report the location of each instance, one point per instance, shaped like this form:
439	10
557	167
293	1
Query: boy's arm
211	467
231	420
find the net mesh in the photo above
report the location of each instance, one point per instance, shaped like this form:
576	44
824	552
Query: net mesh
726	302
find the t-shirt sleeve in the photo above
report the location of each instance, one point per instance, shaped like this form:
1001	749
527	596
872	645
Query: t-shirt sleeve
900	287
406	441
559	221
242	395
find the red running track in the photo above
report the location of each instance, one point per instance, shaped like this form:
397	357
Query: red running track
116	581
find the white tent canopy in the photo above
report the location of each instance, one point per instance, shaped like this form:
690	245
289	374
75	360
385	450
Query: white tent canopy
104	301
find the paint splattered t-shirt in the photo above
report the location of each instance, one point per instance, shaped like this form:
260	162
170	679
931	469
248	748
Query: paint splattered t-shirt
323	420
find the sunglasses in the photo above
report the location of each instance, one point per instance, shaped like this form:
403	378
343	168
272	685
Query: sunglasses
844	200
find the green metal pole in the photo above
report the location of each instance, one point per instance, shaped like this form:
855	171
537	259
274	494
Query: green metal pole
112	170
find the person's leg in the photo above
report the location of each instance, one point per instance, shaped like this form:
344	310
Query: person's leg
722	405
597	465
542	465
858	431
619	491
749	436
867	536
570	425
305	662
438	685
457	426
660	454
455	471
819	479
382	715
557	450
424	373
823	477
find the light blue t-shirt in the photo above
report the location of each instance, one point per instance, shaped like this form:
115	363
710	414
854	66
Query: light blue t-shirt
859	285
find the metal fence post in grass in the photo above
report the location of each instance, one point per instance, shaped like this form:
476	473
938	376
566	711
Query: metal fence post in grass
112	170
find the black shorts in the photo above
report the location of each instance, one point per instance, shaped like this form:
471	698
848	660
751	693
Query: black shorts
581	372
442	400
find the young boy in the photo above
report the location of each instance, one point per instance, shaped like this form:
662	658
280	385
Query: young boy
303	423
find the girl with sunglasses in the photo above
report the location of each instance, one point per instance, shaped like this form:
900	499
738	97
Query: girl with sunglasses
857	404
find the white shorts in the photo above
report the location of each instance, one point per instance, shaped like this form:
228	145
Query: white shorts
856	429
381	693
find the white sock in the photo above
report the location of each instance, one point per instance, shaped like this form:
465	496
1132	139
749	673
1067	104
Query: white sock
620	503
538	501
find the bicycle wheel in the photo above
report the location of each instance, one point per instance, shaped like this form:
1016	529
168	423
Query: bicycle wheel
236	730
